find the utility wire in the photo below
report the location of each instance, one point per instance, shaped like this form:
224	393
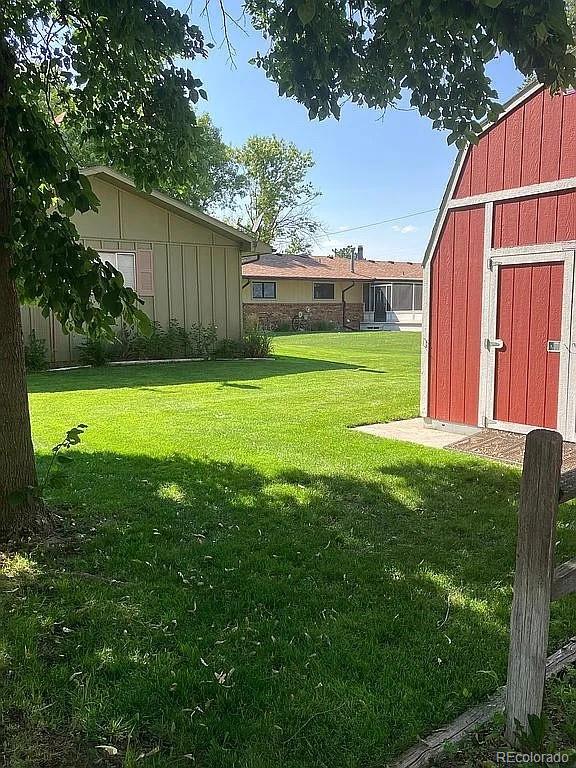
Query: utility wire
386	221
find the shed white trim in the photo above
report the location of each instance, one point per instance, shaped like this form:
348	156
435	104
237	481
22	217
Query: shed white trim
565	424
531	190
425	342
484	378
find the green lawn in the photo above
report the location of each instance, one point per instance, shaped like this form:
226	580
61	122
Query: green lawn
248	583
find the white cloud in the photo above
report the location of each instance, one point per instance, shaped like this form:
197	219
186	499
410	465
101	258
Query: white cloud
404	230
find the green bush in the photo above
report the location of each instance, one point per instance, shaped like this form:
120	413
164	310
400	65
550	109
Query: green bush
257	343
168	343
176	341
128	344
36	353
95	351
283	327
202	340
323	325
228	348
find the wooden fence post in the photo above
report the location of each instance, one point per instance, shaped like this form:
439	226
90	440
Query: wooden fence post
539	497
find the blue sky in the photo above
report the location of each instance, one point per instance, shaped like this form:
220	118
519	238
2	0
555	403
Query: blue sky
369	166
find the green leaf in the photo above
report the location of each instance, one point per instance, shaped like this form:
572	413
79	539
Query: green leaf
306	11
64	458
541	31
143	322
492	3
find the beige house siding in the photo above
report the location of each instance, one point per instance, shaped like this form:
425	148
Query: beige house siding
296	295
196	271
302	291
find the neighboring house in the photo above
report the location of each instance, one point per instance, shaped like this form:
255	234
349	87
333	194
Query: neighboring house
499	335
350	293
184	264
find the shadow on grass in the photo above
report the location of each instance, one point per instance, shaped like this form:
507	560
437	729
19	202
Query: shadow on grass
171	374
297	619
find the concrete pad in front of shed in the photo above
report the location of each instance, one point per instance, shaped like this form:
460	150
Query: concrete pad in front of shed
413	431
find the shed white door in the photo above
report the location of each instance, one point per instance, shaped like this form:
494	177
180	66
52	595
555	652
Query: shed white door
532	372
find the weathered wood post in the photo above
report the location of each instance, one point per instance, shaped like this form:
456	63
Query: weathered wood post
539	498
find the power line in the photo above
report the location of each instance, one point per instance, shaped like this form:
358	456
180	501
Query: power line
386	221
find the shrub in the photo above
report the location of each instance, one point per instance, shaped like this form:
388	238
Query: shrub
228	348
36	353
283	327
162	344
176	341
257	343
202	340
95	351
323	325
126	345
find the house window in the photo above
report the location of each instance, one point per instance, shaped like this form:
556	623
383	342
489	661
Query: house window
125	263
403	297
263	290
418	297
323	290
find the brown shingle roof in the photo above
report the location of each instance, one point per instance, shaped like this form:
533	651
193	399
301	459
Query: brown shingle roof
301	267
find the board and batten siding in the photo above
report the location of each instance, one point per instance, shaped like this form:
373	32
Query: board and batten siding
535	220
454	331
534	143
184	270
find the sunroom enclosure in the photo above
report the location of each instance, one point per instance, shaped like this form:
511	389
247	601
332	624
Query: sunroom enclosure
393	305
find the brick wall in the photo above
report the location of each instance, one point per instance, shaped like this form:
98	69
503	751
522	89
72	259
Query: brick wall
273	314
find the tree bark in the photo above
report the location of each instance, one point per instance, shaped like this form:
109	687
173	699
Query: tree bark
17	464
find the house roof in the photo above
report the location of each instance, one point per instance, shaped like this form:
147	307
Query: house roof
303	267
177	207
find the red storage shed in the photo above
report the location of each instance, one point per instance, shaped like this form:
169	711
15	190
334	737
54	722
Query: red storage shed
499	308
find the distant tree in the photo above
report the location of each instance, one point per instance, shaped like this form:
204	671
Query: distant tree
323	53
277	200
112	67
212	177
346	252
571	15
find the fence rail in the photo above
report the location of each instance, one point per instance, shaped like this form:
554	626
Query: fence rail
536	582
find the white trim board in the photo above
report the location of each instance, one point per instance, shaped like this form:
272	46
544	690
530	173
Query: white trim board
515	193
425	341
484	378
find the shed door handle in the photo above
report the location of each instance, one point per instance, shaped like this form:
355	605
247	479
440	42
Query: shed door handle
494	343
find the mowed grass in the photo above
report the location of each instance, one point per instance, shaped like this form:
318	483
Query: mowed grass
249	583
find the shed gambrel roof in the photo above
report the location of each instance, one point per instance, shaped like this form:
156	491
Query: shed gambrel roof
519	98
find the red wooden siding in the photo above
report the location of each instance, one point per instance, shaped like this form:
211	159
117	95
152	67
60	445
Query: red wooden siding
538	220
534	143
456	309
529	314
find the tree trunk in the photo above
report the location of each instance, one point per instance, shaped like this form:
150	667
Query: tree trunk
17	465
